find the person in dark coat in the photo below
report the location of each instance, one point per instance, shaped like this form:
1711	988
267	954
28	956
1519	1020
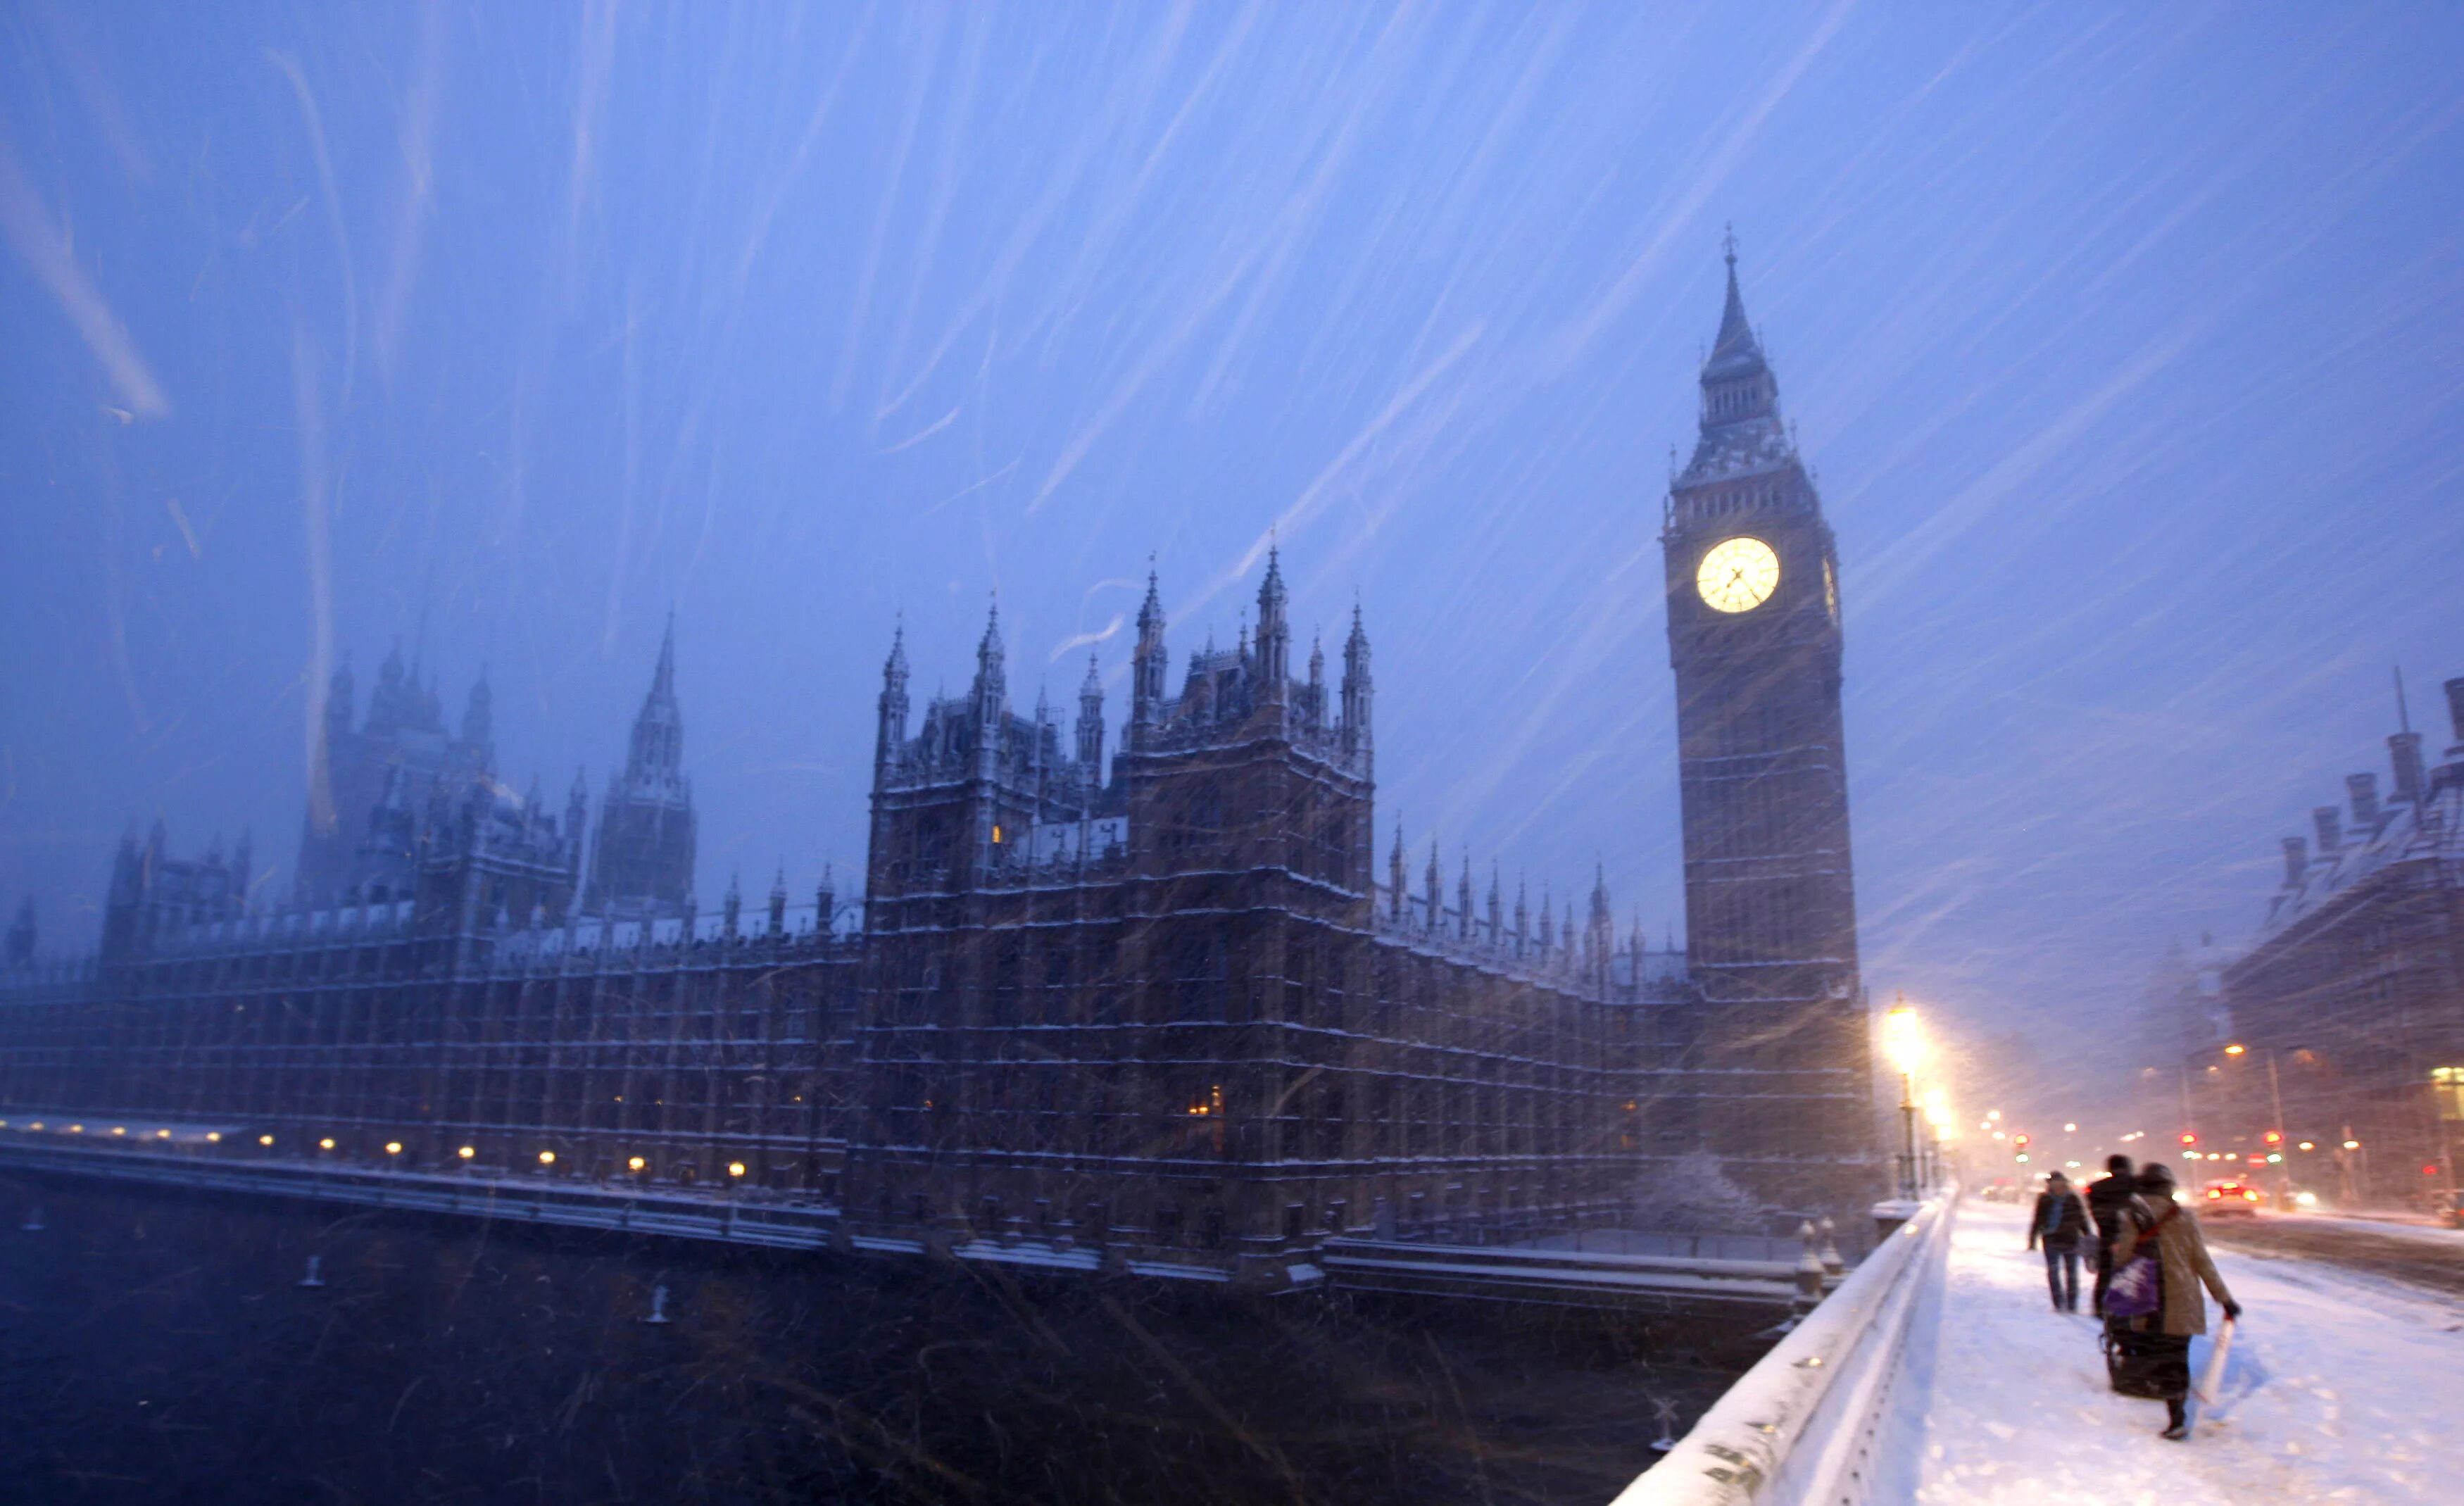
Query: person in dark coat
2059	1224
2106	1197
2154	1224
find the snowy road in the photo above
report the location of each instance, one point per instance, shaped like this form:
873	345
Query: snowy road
2340	1387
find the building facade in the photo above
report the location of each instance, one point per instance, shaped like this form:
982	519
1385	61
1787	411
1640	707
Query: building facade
1144	990
2347	1006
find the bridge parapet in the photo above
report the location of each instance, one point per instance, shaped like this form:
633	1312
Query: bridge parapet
1809	1422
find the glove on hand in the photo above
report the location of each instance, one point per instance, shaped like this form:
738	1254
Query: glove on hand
2233	1311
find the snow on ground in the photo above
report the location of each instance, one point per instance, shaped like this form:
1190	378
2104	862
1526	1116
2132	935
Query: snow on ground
2424	1234
2335	1389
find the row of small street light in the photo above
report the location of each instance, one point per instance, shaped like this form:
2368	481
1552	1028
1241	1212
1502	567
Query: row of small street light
392	1147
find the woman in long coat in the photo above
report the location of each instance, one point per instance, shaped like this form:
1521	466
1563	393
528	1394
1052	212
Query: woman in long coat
2160	1342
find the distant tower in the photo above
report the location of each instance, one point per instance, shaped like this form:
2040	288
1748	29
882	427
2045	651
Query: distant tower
1752	598
1356	693
1274	635
1148	668
644	862
891	728
1090	725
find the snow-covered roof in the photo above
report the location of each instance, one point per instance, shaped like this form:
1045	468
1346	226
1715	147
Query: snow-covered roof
2431	830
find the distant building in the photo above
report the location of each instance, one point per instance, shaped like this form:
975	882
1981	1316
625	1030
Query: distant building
2354	984
372	786
1164	1005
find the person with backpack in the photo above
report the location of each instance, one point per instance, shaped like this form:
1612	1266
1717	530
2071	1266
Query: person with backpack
2060	1223
2106	1197
2152	1307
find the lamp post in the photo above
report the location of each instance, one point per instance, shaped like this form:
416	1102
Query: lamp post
1906	1049
2274	1139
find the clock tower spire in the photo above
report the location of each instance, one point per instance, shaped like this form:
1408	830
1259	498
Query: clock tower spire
1778	1042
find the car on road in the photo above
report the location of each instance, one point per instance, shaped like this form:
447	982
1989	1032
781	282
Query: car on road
2231	1196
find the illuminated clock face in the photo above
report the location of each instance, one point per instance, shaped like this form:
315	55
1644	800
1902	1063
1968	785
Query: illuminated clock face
1738	575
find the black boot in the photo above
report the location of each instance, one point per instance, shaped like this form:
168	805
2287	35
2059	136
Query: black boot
2178	1424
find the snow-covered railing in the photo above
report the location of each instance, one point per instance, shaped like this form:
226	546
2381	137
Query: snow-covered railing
1807	1424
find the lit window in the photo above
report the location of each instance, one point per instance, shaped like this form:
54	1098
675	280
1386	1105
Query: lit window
325	1144
547	1157
466	1152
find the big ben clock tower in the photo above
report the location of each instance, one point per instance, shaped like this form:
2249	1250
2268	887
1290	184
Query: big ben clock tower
1779	1078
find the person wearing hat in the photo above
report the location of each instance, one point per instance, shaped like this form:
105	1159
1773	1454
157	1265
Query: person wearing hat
2106	1197
2157	1309
2060	1223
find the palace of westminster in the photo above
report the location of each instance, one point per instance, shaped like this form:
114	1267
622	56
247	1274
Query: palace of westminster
1154	991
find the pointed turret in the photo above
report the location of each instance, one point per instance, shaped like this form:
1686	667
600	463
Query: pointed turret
1316	706
992	676
1395	875
1274	635
339	694
663	680
479	723
732	908
1522	915
577	823
1090	725
1463	899
1435	900
825	903
1741	433
1149	666
654	763
778	902
892	732
1496	913
642	865
1356	690
1601	936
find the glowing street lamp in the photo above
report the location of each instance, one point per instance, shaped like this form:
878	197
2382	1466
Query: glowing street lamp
1905	1044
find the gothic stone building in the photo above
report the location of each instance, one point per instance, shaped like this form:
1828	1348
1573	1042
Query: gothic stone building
2354	987
1160	1004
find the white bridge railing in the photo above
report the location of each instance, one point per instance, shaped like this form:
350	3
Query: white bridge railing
1808	1424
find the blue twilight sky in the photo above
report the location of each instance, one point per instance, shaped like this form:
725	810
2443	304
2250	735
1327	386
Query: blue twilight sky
2123	340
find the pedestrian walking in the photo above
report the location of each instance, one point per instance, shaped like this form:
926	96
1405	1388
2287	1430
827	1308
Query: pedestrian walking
2153	1308
2059	1224
2106	1197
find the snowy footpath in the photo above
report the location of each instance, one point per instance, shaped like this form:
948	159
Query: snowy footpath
2338	1387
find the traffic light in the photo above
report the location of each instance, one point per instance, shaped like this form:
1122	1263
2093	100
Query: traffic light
2188	1138
2020	1141
2273	1137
